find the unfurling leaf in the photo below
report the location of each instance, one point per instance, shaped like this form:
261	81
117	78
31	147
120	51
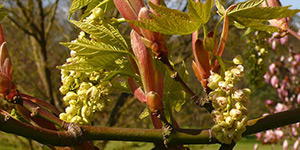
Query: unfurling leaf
220	7
175	22
200	12
145	113
104	33
265	13
244	6
84	47
77	4
254	24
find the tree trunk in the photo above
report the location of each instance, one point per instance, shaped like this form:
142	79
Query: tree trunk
40	57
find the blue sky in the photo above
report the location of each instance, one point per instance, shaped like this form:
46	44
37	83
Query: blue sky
295	3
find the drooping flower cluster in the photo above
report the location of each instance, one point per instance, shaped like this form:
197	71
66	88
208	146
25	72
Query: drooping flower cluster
84	93
283	75
230	113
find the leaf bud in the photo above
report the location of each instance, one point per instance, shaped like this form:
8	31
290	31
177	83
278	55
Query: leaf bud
209	43
154	101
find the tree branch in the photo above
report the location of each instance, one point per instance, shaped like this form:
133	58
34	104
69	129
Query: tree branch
27	16
52	17
21	27
181	136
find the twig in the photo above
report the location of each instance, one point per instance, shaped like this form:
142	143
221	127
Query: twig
293	33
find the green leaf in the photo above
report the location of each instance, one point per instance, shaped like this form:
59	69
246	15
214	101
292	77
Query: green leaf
105	5
125	70
169	21
77	4
254	24
265	13
84	47
174	95
104	33
220	7
145	113
200	12
244	6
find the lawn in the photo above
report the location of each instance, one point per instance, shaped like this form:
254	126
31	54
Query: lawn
245	144
12	142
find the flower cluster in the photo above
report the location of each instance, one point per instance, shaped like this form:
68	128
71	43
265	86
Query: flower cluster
283	75
84	93
229	103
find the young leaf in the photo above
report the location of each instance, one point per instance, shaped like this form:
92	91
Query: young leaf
265	13
84	47
169	21
220	7
145	113
257	25
105	5
244	6
104	33
200	12
77	4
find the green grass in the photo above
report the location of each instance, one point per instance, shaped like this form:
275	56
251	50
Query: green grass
244	144
12	142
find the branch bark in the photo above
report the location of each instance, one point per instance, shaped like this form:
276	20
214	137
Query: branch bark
181	136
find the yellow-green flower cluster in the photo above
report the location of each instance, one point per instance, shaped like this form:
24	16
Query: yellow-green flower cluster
84	93
230	112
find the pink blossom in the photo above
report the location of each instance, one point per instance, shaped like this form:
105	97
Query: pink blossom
269	102
255	146
272	68
294	131
297	57
285	145
278	133
274	81
296	145
280	107
259	135
267	77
